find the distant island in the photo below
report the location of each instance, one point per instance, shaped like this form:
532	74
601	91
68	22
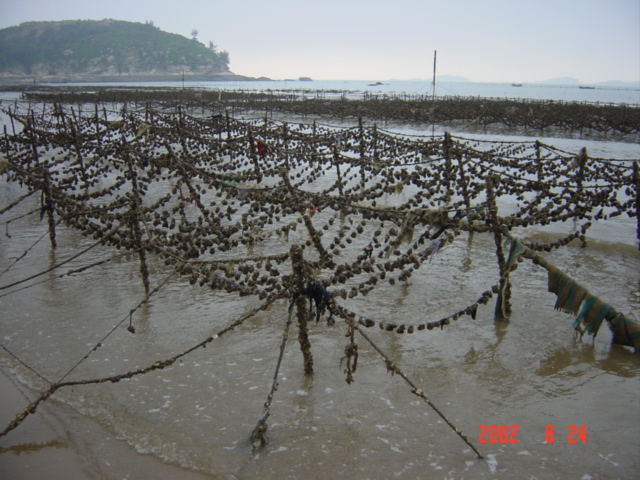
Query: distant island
106	50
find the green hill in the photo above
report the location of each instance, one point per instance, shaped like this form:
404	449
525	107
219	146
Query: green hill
107	49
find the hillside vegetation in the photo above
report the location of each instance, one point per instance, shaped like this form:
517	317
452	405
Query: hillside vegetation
104	48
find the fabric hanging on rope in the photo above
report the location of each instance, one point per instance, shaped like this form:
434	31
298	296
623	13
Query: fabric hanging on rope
516	250
574	298
625	332
570	293
591	315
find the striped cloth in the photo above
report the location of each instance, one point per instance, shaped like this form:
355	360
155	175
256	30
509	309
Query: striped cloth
625	331
574	298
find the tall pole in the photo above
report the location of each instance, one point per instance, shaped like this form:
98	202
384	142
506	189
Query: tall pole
433	97
435	54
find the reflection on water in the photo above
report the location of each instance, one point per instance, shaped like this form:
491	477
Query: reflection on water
32	447
565	360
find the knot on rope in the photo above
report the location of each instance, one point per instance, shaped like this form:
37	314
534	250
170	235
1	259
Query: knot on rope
317	292
258	439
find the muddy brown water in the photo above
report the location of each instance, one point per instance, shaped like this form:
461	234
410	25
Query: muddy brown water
192	420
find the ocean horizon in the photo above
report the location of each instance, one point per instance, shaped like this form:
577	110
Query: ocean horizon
604	94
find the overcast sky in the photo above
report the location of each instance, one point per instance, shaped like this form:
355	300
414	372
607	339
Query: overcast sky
483	40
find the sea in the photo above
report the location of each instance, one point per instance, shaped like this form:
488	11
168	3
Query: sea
534	91
596	94
537	401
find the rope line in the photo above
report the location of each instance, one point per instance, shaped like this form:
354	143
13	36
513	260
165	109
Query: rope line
258	435
67	273
70	259
158	365
394	369
24	364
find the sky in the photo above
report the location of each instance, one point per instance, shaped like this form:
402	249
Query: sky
482	40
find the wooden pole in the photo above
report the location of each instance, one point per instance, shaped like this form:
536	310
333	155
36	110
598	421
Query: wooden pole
299	282
134	219
433	91
433	95
503	305
48	205
636	180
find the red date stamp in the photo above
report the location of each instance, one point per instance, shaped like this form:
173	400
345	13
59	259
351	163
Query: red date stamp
508	433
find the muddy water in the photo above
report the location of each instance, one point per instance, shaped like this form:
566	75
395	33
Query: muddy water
193	419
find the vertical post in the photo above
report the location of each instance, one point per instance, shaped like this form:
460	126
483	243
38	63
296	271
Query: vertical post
463	182
47	202
581	159
96	118
433	96
299	280
134	219
539	169
636	181
314	155
284	146
375	143
78	149
447	147
254	155
362	149
503	304
336	162
58	113
433	92
13	125
47	205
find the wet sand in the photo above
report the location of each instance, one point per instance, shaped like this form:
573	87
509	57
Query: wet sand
39	449
58	443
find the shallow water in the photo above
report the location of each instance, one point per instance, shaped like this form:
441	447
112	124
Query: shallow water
629	95
193	419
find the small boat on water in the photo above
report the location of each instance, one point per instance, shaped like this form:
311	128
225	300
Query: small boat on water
516	84
585	87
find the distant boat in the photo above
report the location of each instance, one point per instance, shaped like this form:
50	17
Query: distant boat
584	87
516	84
375	84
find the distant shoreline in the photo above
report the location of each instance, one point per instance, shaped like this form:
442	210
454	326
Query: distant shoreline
63	79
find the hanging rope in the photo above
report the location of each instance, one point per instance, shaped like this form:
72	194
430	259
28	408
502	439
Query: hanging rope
394	369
